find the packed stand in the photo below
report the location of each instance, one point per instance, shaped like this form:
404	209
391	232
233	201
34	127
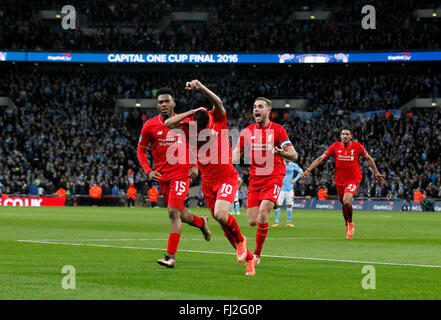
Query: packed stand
65	131
232	26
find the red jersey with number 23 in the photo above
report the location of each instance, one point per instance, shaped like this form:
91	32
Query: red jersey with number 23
346	158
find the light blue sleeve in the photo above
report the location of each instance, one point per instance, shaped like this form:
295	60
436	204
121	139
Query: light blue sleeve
298	170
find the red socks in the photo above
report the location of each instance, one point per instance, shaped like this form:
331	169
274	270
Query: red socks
230	237
262	231
197	221
173	241
345	214
231	227
349	213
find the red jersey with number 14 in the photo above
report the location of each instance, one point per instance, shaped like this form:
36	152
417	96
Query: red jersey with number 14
347	164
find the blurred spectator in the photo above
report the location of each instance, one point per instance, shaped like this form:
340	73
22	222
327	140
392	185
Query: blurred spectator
322	194
115	191
61	193
131	195
418	196
153	194
95	193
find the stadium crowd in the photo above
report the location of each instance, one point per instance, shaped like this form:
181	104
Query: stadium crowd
232	25
64	132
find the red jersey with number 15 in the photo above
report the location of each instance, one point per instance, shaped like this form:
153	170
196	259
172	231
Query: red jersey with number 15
346	158
169	150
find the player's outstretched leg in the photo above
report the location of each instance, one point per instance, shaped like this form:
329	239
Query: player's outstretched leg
347	204
199	222
231	230
263	211
173	239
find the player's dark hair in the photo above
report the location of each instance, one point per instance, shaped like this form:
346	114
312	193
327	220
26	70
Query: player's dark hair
201	117
166	91
350	130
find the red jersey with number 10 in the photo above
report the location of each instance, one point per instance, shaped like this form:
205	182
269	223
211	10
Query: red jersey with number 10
346	158
214	154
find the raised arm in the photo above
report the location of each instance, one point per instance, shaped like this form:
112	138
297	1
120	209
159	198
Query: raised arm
175	121
314	165
210	95
379	177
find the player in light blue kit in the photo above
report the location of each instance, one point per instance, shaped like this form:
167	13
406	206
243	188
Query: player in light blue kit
287	192
235	208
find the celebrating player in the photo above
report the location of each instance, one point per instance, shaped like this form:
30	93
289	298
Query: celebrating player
287	192
174	179
266	144
347	172
219	178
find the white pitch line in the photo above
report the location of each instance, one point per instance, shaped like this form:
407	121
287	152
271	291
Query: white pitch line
229	253
166	239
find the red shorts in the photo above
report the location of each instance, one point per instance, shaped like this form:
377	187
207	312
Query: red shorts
175	192
259	190
219	190
348	187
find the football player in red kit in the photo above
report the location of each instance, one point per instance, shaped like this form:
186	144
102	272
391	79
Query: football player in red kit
348	175
207	136
266	144
173	177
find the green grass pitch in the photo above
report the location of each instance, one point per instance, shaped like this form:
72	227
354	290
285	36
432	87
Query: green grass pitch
114	252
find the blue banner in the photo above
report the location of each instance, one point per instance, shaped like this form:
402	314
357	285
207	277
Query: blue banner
215	58
360	205
12	56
